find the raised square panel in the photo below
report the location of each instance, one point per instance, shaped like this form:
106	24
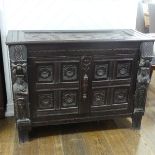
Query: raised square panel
69	98
120	95
69	72
123	69
46	100
45	73
99	97
101	71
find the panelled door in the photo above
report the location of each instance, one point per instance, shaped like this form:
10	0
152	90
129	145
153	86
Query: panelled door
112	86
55	86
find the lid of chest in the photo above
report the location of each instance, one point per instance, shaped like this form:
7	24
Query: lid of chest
31	36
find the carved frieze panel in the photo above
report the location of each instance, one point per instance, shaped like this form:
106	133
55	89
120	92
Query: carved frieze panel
69	72
101	71
45	73
147	49
120	95
86	63
18	53
69	98
46	100
99	97
123	69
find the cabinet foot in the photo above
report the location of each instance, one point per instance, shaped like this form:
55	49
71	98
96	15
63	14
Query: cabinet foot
136	121
23	135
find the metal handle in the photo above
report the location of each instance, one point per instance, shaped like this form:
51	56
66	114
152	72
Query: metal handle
85	86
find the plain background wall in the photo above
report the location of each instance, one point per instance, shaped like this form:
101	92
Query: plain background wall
151	8
70	14
61	14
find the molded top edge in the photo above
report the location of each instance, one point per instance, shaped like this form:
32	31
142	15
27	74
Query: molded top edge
62	36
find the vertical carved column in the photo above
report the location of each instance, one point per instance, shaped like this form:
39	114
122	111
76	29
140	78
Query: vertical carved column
18	62
143	79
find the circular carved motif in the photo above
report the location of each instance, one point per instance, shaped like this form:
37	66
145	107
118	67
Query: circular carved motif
121	96
70	72
123	71
68	99
45	73
101	71
99	97
45	102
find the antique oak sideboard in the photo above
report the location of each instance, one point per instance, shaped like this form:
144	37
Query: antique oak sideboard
78	76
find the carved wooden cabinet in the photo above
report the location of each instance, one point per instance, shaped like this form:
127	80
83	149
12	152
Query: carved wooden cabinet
77	76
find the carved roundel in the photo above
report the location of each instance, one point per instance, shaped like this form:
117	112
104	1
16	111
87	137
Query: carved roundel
46	101
101	71
45	73
120	95
123	69
69	98
69	72
99	97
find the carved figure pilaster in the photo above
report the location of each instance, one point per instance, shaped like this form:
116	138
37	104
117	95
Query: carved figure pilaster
143	79
18	62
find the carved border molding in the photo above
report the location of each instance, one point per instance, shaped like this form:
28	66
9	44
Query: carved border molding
18	62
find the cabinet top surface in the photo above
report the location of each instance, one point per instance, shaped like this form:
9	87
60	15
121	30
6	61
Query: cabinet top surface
43	36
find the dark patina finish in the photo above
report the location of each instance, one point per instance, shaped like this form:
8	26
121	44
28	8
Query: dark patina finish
77	76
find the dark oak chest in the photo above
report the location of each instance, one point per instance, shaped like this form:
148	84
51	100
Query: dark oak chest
73	76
